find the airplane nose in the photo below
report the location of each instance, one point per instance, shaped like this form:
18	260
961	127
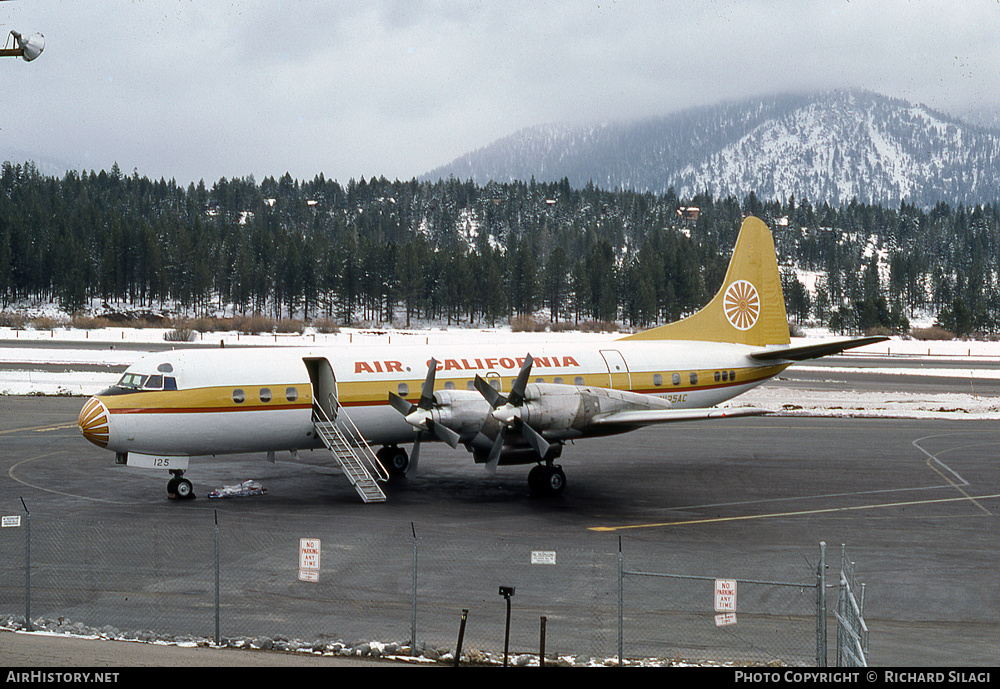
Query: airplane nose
93	422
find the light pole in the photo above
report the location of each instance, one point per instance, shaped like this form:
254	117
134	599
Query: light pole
506	592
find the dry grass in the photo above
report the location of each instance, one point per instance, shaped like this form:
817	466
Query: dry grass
527	324
934	332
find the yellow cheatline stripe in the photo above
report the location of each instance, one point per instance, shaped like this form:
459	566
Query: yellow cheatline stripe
748	517
217	398
374	392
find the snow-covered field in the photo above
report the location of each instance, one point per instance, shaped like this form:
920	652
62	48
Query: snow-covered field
117	347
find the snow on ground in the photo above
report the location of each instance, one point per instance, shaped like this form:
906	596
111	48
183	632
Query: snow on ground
855	403
56	347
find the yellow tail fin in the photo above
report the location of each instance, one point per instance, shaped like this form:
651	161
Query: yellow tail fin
749	308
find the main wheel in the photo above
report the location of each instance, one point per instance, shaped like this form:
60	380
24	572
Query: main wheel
394	459
544	480
555	481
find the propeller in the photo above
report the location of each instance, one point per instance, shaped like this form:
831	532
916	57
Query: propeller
507	410
420	416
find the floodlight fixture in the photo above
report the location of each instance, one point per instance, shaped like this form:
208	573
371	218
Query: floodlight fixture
27	48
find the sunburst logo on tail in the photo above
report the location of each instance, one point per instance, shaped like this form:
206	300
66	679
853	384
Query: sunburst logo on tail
741	304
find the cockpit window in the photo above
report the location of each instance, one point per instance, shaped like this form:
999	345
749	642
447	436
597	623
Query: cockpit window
132	380
154	383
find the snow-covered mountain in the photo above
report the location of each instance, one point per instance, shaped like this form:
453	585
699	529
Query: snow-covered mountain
832	147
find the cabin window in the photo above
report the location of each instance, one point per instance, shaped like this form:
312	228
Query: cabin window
239	396
471	385
725	375
265	394
154	382
718	376
539	380
558	380
578	380
694	378
169	383
449	385
291	394
657	379
676	378
732	375
403	389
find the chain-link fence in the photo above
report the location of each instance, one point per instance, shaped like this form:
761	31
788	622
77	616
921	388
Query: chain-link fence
852	630
676	607
193	576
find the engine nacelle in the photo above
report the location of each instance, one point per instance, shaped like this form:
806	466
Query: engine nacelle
567	411
463	411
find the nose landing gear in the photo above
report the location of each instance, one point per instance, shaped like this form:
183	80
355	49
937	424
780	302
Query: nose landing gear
179	488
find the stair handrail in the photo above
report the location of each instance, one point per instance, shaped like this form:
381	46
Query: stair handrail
349	432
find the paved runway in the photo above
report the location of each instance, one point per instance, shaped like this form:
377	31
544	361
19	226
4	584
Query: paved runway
914	501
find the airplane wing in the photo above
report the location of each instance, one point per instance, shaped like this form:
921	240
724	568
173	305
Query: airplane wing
814	351
646	417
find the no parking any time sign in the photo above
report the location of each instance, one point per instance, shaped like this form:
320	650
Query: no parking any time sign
309	549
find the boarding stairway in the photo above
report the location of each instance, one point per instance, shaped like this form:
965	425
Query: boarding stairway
352	452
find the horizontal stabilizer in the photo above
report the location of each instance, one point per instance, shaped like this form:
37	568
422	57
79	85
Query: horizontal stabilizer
814	351
647	417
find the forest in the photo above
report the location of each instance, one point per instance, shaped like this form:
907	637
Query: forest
453	252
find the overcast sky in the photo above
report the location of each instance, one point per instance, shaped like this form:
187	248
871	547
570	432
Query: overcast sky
203	89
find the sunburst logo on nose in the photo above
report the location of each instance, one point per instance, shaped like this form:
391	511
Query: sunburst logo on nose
94	422
741	304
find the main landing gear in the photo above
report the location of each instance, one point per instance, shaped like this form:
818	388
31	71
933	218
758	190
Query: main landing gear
546	480
179	488
394	459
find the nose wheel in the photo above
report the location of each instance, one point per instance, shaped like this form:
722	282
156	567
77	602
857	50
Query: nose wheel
179	488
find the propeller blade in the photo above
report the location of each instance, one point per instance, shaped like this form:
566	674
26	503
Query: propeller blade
516	396
489	392
427	390
535	439
400	404
494	458
411	468
444	433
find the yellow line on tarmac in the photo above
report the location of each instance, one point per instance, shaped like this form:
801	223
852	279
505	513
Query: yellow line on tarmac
38	429
749	517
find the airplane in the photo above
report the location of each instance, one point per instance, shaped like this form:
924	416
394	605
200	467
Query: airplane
507	405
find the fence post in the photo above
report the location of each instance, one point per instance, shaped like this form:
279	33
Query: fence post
218	638
461	636
27	567
821	607
842	604
541	644
621	585
413	604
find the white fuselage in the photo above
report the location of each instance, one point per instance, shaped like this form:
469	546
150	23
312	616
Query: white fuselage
205	402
